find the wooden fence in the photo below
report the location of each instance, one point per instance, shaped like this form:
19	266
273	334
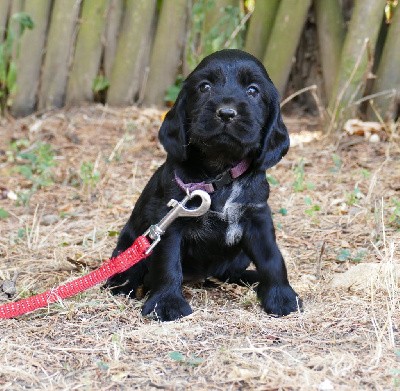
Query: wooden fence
131	51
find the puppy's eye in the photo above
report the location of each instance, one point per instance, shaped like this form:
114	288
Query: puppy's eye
252	91
205	87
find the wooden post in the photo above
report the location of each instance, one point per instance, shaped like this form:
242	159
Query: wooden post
356	58
87	56
331	32
60	40
16	6
260	27
29	60
388	73
167	50
132	52
283	41
113	25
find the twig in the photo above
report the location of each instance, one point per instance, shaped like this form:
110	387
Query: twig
389	93
237	29
319	262
305	89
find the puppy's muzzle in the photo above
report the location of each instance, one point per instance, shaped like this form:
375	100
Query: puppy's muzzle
226	114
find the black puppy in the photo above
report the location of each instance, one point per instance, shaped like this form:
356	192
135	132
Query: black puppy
223	132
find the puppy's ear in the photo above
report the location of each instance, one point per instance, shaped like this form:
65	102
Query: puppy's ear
172	133
275	138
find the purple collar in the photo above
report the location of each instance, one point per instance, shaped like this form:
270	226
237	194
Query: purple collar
221	180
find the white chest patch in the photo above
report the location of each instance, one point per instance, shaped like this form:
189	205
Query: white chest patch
231	213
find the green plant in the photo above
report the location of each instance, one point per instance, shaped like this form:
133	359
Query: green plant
312	207
365	173
173	91
191	361
39	161
354	196
346	255
33	162
89	175
16	146
8	69
283	211
3	214
337	162
272	180
227	32
299	183
100	83
394	218
203	40
22	233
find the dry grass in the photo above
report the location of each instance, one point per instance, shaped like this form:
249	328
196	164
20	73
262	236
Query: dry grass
347	338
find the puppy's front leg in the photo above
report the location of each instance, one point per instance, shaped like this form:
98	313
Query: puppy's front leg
165	280
274	291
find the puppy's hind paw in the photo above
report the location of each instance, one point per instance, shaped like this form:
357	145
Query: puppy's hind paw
166	307
279	300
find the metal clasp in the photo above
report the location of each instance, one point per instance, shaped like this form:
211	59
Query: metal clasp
155	231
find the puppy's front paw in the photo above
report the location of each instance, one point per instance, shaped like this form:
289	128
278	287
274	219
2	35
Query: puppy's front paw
279	299
166	307
119	284
127	282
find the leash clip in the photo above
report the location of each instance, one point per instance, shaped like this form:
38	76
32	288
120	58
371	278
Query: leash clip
179	209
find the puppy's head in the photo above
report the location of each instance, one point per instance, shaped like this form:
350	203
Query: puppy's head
228	109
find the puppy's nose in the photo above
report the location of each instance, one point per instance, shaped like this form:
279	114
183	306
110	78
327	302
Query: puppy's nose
226	113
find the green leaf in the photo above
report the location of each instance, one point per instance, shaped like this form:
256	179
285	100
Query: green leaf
103	366
272	180
24	21
177	356
113	233
344	255
100	83
359	256
21	233
88	174
337	162
28	156
194	361
283	211
3	213
314	208
365	173
26	171
173	91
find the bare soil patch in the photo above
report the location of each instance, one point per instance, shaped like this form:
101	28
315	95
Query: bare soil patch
336	206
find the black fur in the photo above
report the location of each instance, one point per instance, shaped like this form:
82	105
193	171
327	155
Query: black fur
238	229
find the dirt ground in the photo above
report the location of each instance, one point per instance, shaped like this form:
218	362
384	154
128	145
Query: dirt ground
336	206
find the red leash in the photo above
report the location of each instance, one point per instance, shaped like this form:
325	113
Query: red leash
122	262
140	249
